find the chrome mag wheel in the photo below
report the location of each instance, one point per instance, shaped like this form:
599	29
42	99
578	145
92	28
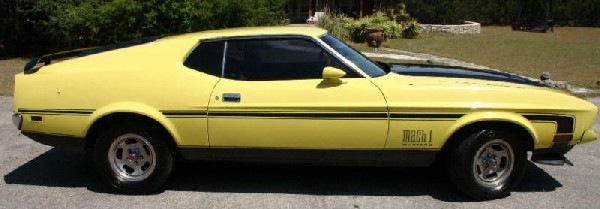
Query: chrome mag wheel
493	163
132	157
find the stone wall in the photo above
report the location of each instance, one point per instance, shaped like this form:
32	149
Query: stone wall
467	28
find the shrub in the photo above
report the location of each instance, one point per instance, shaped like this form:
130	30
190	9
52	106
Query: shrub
390	28
51	25
340	26
346	28
402	15
504	12
411	29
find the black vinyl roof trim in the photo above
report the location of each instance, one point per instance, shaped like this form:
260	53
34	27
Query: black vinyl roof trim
34	64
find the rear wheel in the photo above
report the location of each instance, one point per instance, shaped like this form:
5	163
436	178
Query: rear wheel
488	164
133	159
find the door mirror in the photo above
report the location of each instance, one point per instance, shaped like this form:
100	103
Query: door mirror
333	75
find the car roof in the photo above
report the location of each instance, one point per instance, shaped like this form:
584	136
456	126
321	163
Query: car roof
173	48
252	31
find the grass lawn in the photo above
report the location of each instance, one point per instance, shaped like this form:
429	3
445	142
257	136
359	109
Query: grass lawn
569	54
8	69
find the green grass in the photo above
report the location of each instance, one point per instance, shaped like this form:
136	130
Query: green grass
569	54
8	69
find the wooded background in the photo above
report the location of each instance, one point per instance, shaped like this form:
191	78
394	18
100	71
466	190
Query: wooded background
504	12
35	27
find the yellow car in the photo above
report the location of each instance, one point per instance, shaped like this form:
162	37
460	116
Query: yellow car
289	94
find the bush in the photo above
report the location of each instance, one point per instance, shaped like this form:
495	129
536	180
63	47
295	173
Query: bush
502	12
52	25
340	26
348	29
411	29
402	15
391	29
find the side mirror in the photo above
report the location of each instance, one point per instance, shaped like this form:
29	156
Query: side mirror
333	75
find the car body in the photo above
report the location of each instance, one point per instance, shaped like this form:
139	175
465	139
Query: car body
288	94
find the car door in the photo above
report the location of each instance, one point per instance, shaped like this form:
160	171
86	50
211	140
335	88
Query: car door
272	103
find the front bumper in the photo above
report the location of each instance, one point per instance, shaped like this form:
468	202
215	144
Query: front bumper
556	154
17	120
588	136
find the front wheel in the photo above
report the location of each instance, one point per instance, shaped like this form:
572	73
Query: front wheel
488	164
133	159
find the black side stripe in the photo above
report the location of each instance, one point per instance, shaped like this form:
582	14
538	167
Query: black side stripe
58	111
299	115
365	115
184	114
429	116
565	124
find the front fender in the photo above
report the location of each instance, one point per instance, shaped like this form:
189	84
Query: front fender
135	108
494	116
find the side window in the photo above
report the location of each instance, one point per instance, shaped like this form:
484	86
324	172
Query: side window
278	59
207	57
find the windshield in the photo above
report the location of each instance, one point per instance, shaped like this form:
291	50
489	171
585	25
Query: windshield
355	57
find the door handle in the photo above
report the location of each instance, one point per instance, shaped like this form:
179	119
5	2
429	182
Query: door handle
232	97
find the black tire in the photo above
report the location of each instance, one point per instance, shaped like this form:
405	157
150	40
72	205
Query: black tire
147	150
485	174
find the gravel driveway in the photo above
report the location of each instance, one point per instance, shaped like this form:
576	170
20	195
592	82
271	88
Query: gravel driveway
38	176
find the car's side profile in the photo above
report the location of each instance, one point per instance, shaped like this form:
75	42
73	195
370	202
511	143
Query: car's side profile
283	94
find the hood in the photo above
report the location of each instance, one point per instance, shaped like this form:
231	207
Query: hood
465	94
460	72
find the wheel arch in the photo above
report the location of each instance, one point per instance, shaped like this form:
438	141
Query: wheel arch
472	122
104	117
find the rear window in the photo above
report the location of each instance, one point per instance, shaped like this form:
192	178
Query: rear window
207	57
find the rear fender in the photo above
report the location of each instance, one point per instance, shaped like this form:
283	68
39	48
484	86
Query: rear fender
135	108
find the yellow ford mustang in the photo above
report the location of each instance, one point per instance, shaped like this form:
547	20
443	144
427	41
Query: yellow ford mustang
289	95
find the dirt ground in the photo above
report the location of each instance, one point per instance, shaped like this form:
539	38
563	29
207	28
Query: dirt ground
8	69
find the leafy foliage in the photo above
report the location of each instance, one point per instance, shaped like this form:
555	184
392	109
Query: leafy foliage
346	28
39	26
62	24
503	12
411	29
340	26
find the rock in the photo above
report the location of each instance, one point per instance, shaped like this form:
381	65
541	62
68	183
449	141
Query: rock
562	85
468	28
556	84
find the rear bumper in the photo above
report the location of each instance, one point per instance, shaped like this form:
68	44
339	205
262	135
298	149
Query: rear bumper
64	142
17	120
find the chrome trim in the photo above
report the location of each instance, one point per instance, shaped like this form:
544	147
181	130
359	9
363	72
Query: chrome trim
317	41
223	62
340	57
17	120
